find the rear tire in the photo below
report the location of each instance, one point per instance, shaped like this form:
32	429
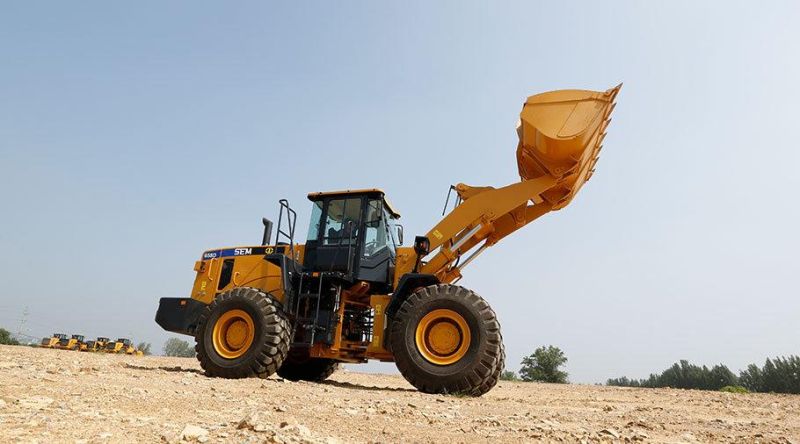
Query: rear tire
446	339
242	333
298	366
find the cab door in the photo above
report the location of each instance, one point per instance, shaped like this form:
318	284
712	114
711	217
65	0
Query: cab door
336	236
377	251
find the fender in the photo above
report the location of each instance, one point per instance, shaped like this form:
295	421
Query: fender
408	283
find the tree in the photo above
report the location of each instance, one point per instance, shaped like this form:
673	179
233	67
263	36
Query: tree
144	347
179	348
751	378
543	365
721	376
508	375
6	338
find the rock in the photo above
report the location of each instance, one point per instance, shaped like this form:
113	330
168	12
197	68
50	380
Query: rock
281	408
689	437
2	404
105	435
413	406
194	433
611	432
251	421
608	408
351	411
169	437
295	429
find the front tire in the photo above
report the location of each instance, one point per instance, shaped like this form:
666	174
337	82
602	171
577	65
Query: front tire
446	339
242	333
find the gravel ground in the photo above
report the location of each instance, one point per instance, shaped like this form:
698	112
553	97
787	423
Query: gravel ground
61	396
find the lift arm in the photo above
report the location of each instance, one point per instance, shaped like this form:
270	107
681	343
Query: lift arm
560	137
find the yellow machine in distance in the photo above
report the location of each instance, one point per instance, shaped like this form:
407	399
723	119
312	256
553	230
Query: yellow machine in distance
73	343
352	292
122	346
98	344
53	341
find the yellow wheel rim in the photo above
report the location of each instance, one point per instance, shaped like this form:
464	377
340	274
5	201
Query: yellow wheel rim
233	334
443	337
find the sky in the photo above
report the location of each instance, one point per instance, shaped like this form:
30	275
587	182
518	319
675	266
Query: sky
135	136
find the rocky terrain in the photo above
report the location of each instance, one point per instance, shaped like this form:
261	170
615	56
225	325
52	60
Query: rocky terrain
59	396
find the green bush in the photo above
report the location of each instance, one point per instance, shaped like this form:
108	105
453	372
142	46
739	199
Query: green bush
734	389
509	375
6	338
178	348
544	365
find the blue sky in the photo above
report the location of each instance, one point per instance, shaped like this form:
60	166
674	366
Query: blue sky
134	137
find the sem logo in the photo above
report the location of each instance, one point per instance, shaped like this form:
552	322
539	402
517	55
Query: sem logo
242	251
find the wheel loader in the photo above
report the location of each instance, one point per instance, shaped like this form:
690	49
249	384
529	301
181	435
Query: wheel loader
97	345
121	345
352	292
73	343
53	341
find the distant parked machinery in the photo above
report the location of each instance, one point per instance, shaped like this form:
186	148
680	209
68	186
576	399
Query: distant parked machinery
122	346
73	343
351	293
101	344
98	344
53	341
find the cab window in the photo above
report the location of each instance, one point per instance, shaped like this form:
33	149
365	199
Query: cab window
375	228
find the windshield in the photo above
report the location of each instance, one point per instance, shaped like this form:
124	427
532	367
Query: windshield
313	225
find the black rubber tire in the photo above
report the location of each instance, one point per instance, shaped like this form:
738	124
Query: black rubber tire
270	345
298	366
492	381
474	374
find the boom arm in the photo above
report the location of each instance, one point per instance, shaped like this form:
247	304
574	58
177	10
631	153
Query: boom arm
560	137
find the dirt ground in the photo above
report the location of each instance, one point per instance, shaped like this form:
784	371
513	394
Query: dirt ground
61	396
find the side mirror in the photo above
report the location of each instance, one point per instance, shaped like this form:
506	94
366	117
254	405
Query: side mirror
422	246
400	234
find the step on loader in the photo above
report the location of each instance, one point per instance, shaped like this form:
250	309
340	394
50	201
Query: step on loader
352	292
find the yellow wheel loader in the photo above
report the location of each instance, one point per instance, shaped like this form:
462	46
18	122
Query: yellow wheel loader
121	345
97	345
352	292
53	341
73	343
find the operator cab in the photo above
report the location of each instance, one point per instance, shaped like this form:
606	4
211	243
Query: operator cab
355	233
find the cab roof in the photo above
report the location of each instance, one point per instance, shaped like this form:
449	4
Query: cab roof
374	191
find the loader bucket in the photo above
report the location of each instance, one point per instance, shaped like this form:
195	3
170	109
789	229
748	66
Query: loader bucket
560	135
